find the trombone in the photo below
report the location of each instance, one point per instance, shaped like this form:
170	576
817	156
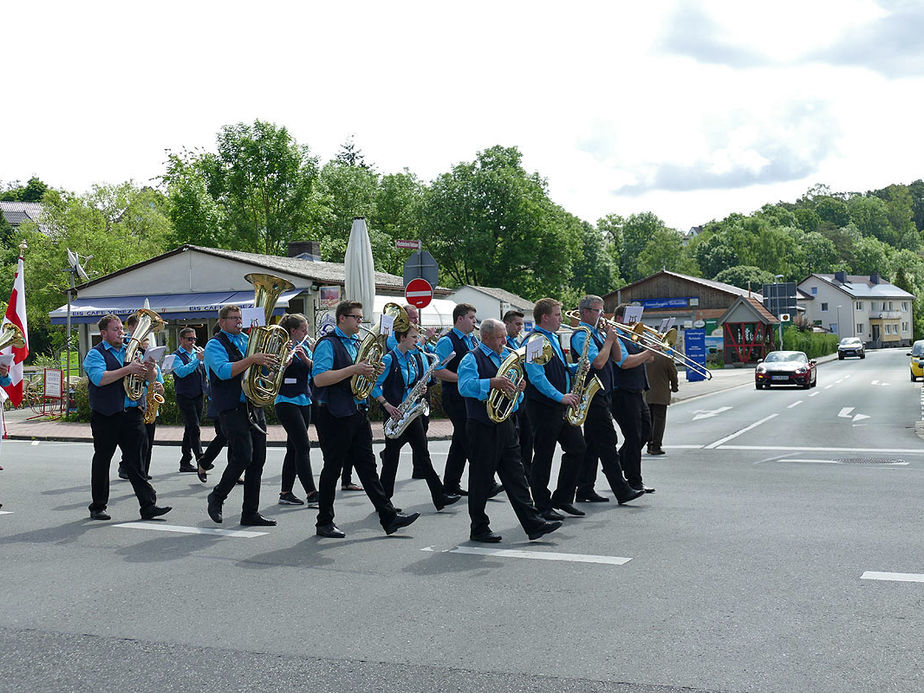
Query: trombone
650	339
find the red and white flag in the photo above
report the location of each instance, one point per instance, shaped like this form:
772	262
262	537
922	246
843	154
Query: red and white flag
16	314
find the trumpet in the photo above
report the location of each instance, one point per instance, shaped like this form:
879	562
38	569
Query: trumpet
651	340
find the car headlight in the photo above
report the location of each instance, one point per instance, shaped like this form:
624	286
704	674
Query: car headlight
800	371
761	370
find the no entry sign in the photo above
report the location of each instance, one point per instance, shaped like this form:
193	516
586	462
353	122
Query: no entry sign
418	293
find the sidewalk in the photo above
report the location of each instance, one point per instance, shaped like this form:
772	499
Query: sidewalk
19	427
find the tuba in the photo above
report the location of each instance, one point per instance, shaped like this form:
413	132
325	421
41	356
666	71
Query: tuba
372	349
261	383
499	405
585	388
149	322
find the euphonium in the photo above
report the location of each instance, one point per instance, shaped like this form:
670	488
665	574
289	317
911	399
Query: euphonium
261	383
499	405
149	322
372	349
585	388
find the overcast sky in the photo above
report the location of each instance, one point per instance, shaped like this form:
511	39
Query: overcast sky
691	110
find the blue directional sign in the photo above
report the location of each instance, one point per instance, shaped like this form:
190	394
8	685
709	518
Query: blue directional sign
694	346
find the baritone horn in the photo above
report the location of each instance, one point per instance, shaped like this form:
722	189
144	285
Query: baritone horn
261	383
499	405
149	323
372	349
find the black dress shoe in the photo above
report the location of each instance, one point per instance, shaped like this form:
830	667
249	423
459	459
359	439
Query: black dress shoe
570	509
488	537
214	508
202	474
398	521
156	511
123	474
312	497
187	468
257	521
445	499
630	495
544	529
656	451
330	531
455	491
99	515
497	488
592	497
551	515
643	489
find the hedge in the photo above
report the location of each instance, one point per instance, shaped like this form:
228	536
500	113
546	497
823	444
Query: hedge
814	344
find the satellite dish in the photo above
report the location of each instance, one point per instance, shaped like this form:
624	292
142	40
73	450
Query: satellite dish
73	260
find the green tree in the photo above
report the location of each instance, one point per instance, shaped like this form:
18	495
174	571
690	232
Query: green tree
833	211
744	276
595	271
489	222
32	191
196	214
347	192
665	250
869	215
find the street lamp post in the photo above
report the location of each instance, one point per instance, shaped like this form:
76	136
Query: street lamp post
838	321
779	310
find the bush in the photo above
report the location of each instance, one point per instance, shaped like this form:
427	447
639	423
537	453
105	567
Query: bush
814	344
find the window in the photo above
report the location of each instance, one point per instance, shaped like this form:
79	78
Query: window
904	327
824	307
905	305
872	306
888	328
859	328
890	305
814	291
859	305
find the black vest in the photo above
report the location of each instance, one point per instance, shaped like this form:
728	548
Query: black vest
108	399
476	409
393	386
605	374
298	370
339	396
191	385
557	374
631	379
458	345
225	394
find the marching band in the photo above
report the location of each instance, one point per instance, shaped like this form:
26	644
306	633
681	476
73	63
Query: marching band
510	400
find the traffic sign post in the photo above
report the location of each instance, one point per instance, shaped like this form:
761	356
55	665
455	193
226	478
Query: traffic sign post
419	293
413	245
421	264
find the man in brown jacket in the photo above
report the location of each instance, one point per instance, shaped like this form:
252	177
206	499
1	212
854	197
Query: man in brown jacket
662	375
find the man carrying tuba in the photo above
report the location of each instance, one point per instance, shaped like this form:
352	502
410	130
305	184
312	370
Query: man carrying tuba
226	363
495	445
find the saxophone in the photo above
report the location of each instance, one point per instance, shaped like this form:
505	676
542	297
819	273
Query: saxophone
414	404
152	401
583	387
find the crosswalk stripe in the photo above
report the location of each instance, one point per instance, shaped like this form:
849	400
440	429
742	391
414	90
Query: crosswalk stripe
534	555
243	533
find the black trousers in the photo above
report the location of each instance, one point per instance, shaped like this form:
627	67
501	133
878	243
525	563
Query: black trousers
525	429
218	442
600	437
454	406
247	447
191	410
148	446
634	419
295	420
124	430
658	421
342	439
416	436
549	428
496	449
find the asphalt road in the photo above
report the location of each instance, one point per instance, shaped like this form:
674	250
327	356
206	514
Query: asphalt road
748	570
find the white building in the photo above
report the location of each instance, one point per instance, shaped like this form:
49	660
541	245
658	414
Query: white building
867	307
491	302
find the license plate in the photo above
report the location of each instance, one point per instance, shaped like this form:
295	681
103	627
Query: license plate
779	377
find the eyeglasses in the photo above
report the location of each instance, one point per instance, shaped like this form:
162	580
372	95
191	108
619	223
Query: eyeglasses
191	339
355	317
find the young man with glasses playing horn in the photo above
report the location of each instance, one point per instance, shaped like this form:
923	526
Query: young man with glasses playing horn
343	426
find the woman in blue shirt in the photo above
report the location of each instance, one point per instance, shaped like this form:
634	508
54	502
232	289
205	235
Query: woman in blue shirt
293	409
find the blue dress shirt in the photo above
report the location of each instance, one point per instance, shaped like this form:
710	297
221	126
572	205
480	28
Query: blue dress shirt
94	365
470	385
592	351
185	369
407	364
444	346
302	400
216	358
537	375
324	355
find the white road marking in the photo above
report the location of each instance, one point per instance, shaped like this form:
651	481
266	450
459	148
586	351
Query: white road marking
894	577
6	512
839	380
246	534
860	417
708	413
809	461
845	412
814	394
828	387
795	404
35	442
727	438
535	555
874	382
805	448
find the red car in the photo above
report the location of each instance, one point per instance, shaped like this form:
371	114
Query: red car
785	368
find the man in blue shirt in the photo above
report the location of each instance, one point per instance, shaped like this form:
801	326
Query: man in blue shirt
403	367
243	424
116	420
190	386
513	321
343	425
604	353
548	396
494	446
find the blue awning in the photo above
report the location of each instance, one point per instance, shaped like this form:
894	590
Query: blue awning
168	306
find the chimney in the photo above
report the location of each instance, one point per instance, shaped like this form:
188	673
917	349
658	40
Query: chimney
874	278
840	277
305	250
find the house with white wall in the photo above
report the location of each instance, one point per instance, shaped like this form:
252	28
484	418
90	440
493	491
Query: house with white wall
863	306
